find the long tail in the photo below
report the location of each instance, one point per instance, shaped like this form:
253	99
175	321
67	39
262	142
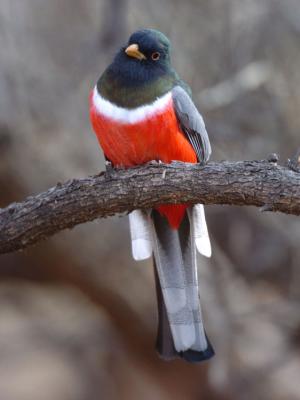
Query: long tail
175	259
180	328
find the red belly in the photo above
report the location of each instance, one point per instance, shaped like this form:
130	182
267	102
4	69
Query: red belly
155	138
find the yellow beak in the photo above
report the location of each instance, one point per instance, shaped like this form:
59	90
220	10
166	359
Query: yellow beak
133	51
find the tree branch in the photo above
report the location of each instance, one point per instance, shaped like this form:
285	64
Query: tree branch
256	183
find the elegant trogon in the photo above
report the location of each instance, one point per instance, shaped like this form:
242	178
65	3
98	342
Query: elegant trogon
141	111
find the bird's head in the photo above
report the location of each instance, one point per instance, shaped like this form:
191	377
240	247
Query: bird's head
145	57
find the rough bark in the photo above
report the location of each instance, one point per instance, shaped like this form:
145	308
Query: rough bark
253	183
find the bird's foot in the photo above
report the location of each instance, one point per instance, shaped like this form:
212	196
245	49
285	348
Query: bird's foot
110	170
273	158
108	166
294	162
155	162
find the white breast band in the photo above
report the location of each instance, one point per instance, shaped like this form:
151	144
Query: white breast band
129	116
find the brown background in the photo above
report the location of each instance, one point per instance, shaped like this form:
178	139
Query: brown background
77	314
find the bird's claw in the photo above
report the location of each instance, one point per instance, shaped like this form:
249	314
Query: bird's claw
155	162
108	166
273	158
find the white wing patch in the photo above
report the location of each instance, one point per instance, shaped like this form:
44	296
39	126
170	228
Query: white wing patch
128	116
141	241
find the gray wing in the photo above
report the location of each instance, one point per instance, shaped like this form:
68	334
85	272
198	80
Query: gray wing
191	123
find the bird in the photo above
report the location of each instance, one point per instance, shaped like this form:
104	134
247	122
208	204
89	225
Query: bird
142	111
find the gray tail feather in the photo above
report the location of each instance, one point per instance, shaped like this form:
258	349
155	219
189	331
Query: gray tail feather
164	340
177	282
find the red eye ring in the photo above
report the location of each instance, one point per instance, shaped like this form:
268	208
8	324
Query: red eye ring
155	56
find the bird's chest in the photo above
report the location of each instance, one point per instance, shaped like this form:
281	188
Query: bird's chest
132	137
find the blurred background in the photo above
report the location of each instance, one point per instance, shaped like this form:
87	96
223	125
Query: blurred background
77	314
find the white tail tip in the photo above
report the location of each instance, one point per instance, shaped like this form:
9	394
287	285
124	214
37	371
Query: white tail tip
203	246
141	249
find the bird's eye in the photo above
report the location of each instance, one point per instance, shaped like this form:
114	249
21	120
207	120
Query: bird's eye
155	56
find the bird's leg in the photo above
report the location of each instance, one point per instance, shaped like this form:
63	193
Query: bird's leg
109	168
108	165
